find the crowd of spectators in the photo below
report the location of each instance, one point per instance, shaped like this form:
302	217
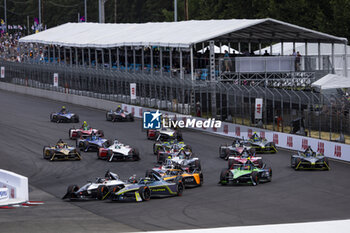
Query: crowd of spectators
9	49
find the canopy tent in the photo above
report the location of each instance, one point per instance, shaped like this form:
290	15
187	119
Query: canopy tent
176	34
332	81
312	49
218	51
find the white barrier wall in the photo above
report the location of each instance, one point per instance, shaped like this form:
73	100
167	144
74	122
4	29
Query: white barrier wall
15	186
289	141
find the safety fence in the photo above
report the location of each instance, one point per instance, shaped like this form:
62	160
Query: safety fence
300	112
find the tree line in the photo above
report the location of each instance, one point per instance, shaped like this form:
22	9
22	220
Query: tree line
329	16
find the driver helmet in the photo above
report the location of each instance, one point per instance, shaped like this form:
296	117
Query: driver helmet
132	179
85	124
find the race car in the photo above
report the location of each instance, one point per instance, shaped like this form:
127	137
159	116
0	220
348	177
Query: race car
309	160
245	173
157	186
243	157
181	157
64	117
169	171
261	145
234	149
160	146
92	143
164	134
118	151
84	132
61	151
100	189
119	115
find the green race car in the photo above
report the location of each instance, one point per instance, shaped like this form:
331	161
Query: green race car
245	173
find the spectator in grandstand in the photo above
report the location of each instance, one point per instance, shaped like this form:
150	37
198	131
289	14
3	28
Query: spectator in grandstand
227	61
298	61
266	53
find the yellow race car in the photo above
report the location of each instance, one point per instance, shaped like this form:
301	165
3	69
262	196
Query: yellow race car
61	151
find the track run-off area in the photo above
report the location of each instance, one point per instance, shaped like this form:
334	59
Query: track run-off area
291	197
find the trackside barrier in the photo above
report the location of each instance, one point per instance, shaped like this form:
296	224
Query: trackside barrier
288	141
13	188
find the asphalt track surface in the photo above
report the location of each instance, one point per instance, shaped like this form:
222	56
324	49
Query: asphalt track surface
292	196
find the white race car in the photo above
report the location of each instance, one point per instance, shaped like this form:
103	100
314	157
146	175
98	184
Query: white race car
118	151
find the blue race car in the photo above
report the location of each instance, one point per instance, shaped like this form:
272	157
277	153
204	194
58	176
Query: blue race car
92	143
64	117
144	189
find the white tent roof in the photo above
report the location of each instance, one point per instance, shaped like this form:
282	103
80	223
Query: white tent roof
174	34
217	49
312	49
332	81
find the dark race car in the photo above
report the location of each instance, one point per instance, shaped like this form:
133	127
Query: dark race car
243	157
261	145
236	148
61	151
64	117
119	115
309	160
92	143
160	146
100	189
158	188
84	132
164	134
245	173
118	151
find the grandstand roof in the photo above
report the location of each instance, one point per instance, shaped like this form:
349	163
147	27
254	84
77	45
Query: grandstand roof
177	34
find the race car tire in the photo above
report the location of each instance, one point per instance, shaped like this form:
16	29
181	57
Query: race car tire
102	192
47	153
179	136
145	193
224	176
155	150
101	133
130	117
107	144
201	179
179	188
298	160
52	117
326	160
71	190
255	178
85	145
260	163
197	165
75	119
136	155
108	117
292	162
230	163
270	177
222	152
188	148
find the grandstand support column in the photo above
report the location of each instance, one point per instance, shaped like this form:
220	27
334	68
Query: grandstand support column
333	67
282	52
54	53
239	46
192	68
319	55
89	55
249	47
96	61
48	54
151	50
59	54
306	52
118	59
110	58
76	57
70	56
171	60
259	47
65	55
142	58
103	58
161	61
126	58
294	45
212	78
181	66
134	58
82	57
346	58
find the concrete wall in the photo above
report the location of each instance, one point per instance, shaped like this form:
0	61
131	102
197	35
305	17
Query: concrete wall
13	188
